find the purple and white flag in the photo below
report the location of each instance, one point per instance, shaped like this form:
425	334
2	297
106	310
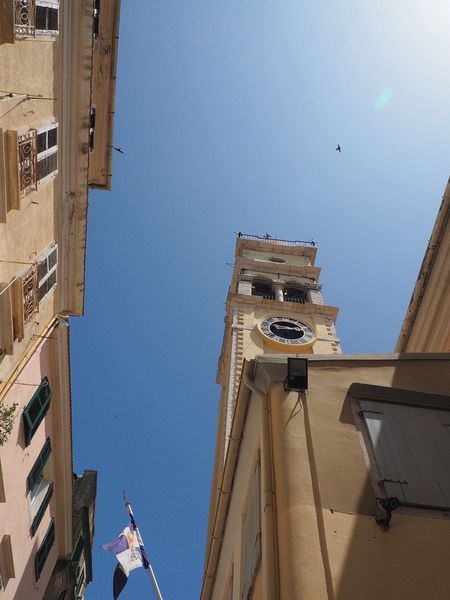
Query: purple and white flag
130	552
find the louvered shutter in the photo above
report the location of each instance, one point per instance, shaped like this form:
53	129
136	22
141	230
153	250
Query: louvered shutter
412	449
251	533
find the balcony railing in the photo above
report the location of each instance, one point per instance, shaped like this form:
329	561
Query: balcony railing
297	299
27	162
270	239
30	294
266	295
25	17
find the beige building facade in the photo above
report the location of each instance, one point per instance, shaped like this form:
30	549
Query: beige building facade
333	484
57	84
426	327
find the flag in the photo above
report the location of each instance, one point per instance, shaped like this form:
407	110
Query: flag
130	553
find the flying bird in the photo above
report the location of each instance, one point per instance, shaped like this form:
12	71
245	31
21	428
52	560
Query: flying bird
338	148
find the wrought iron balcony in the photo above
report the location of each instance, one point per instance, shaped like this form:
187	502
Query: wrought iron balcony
30	294
27	162
270	239
25	18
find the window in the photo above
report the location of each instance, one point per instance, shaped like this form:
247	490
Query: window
7	571
293	293
30	295
31	289
80	577
263	288
36	410
26	148
36	18
44	550
37	158
47	152
96	25
92	116
46	17
47	268
40	486
251	534
78	549
407	435
2	485
229	588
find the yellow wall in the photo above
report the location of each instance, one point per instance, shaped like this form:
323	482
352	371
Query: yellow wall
328	544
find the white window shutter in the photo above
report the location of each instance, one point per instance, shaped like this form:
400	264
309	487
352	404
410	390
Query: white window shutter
412	449
251	533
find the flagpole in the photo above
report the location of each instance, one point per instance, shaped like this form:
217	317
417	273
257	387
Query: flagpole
149	569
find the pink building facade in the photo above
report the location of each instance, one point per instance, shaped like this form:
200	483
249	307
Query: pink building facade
36	470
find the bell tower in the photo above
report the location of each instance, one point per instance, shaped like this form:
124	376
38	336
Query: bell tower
274	306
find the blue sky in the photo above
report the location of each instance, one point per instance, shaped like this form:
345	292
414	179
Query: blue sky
229	114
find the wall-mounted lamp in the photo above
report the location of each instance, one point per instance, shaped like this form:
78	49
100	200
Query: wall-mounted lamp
297	375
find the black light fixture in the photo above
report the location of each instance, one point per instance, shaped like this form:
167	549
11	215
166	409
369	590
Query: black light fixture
297	375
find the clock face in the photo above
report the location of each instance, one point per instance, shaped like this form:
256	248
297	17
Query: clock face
285	330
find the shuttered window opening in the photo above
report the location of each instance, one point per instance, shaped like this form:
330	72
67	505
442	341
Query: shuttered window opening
251	534
40	486
229	590
47	152
36	409
46	17
78	549
7	570
36	473
411	447
81	578
47	272
44	550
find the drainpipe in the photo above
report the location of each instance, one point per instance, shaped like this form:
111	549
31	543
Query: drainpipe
271	579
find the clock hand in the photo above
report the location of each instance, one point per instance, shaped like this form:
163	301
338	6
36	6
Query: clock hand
293	328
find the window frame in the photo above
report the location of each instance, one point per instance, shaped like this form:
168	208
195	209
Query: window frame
52	4
53	269
28	29
248	535
44	550
32	425
49	151
390	396
40	486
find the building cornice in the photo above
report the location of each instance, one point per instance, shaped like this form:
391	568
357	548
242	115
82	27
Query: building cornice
75	107
287	308
104	68
63	439
411	321
275	246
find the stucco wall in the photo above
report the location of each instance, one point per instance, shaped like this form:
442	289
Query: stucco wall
328	544
17	461
30	68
